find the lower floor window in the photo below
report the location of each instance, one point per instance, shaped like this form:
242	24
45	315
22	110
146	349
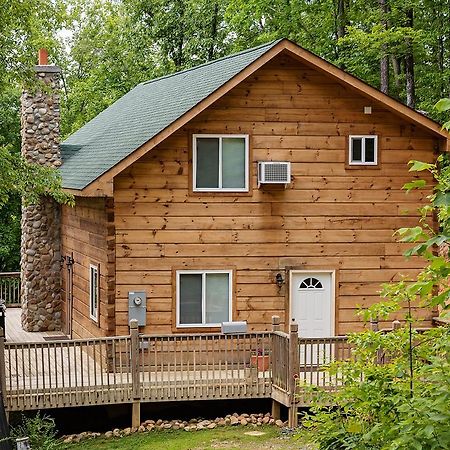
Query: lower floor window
203	297
93	292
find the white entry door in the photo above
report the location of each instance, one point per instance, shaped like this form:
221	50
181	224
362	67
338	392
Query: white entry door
312	305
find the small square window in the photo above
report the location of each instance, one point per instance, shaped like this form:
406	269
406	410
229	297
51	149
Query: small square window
203	298
93	292
363	150
220	163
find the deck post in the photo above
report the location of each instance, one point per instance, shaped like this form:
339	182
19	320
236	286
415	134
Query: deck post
135	375
276	323
294	362
2	365
275	405
375	327
396	324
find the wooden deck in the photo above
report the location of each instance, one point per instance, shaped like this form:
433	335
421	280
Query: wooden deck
15	333
137	368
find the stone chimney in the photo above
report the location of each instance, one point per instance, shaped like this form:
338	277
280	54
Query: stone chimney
40	246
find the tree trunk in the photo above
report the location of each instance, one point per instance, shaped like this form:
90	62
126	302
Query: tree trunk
341	23
409	66
397	70
341	19
384	61
213	32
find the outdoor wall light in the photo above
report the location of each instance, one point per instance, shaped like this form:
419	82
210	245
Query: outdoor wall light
279	279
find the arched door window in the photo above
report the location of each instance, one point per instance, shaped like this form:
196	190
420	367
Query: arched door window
310	283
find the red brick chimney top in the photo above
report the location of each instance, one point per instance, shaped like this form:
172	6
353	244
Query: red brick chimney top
43	57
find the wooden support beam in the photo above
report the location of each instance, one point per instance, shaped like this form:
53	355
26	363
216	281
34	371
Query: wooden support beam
275	405
294	361
276	408
2	364
135	375
136	414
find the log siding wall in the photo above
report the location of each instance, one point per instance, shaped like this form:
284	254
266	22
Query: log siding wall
88	233
331	216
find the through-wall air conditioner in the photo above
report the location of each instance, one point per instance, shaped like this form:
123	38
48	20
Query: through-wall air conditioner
274	172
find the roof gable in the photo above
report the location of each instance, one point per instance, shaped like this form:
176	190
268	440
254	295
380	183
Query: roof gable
141	114
155	109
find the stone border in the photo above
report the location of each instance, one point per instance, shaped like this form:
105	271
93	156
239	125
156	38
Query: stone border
252	420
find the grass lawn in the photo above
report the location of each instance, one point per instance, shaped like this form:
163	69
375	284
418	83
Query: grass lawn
226	438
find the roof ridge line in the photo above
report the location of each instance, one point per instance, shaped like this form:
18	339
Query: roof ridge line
243	52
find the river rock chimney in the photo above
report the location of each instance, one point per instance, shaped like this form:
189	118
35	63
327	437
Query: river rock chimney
40	246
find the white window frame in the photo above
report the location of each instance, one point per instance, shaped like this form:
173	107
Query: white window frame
204	324
363	150
194	162
93	311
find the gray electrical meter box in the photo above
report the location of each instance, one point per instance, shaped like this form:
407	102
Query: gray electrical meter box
137	307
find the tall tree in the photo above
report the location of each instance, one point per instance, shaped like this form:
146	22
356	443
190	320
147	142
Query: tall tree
384	60
25	26
409	63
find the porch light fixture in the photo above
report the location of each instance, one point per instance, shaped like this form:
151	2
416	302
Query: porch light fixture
279	279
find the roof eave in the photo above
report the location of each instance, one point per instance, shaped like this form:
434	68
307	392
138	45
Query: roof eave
106	179
103	185
365	89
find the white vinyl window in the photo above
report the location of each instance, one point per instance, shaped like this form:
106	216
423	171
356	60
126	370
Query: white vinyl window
93	292
203	297
220	163
363	150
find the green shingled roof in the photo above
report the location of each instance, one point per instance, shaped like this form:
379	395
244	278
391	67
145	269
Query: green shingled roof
141	114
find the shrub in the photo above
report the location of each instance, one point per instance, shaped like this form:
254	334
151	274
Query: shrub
41	430
380	406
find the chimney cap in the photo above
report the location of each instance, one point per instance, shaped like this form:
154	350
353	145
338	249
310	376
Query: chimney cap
43	66
43	57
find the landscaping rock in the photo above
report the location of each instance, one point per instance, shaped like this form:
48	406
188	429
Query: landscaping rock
199	424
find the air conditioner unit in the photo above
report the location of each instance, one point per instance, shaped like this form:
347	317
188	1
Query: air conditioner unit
274	172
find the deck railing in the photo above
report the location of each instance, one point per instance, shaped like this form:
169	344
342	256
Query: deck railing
67	373
208	366
315	355
148	368
10	288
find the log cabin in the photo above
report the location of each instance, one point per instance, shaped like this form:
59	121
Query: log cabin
268	182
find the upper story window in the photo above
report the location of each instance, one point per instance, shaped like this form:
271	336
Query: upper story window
203	297
220	163
363	150
94	288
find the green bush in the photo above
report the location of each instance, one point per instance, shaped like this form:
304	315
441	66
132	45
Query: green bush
395	391
380	406
41	430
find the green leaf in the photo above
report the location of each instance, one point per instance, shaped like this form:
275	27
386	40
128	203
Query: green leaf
418	166
443	104
416	184
442	199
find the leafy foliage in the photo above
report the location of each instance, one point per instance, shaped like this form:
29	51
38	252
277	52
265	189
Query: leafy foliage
41	431
396	388
376	408
31	181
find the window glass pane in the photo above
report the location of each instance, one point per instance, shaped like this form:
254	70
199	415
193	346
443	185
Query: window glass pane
190	298
94	291
217	298
207	175
370	150
356	149
233	163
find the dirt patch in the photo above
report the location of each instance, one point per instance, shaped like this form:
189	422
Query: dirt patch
278	443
